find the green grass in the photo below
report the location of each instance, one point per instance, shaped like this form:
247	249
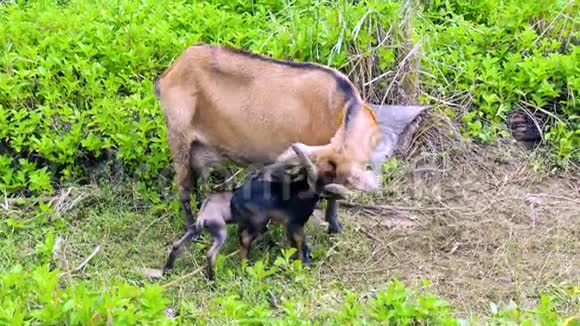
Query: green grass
134	232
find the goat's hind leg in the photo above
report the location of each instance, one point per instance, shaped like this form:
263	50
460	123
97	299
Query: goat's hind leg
219	233
186	181
202	158
246	234
177	246
178	110
199	170
184	178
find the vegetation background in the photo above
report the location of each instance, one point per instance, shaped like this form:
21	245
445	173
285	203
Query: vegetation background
84	161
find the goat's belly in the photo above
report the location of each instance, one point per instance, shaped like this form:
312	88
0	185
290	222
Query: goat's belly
279	217
262	126
263	145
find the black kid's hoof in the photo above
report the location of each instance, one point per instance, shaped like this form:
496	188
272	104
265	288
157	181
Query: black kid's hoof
167	269
335	228
209	274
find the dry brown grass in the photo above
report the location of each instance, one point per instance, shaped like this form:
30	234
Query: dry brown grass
483	223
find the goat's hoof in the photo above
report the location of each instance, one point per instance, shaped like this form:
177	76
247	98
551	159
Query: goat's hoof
210	273
335	228
307	251
166	270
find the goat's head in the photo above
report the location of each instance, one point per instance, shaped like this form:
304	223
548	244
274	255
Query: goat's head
345	159
330	165
319	183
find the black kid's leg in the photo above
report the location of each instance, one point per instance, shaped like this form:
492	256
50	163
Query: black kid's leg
331	216
177	246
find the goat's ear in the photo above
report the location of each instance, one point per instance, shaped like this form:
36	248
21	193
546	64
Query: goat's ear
363	179
397	117
335	190
393	120
289	157
311	169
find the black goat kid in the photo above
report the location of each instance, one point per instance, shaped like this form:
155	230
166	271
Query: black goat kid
278	194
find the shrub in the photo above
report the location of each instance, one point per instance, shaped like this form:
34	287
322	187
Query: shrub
36	296
500	56
43	296
76	83
76	77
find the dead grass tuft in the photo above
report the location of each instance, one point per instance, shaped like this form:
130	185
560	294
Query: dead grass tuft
484	223
479	221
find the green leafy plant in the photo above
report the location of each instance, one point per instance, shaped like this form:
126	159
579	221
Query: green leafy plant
37	296
75	95
77	100
505	56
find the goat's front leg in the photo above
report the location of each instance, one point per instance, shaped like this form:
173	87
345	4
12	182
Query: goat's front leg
298	239
331	216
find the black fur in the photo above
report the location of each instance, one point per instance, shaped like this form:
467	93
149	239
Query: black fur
254	204
292	197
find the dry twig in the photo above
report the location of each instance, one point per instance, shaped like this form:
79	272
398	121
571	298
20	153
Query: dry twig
84	262
179	279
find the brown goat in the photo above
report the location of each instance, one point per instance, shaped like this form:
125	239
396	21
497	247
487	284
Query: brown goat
222	104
